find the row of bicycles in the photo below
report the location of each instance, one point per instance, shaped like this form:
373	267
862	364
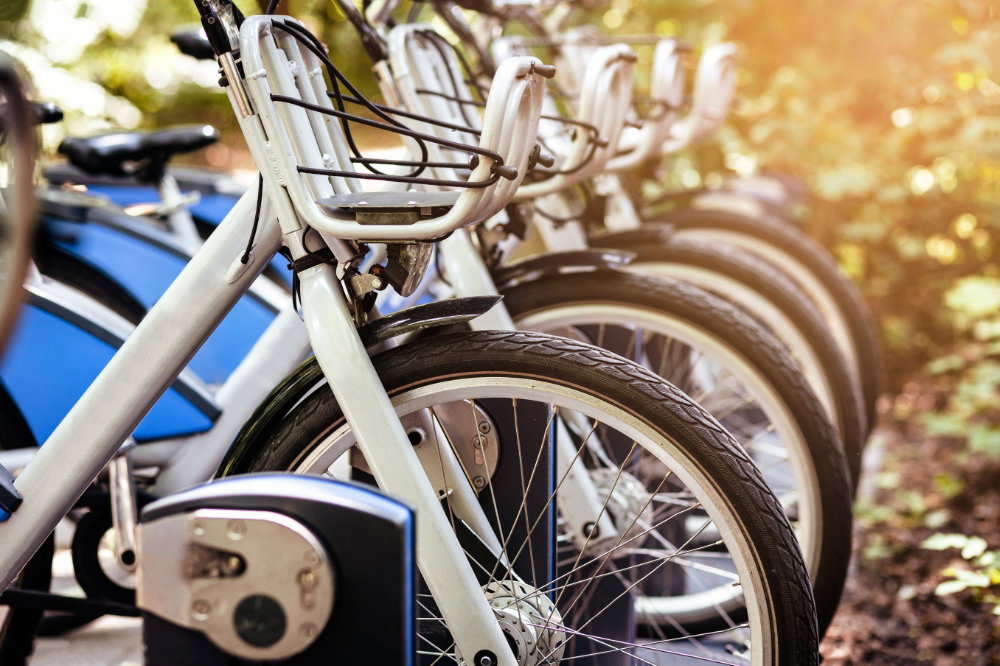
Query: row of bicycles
535	415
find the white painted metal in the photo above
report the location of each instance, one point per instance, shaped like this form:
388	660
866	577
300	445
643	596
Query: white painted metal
131	383
395	465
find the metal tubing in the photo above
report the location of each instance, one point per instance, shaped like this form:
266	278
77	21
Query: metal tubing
124	511
273	357
395	465
468	276
132	382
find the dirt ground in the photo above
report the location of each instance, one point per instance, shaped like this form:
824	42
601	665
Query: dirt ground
890	613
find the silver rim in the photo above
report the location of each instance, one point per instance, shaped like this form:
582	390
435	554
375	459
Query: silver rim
676	491
729	388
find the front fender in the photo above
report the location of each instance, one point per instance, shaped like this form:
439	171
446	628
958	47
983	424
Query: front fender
307	377
554	263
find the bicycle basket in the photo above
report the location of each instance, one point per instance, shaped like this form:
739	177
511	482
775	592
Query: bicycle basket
313	167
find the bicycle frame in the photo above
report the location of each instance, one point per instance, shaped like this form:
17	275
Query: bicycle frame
179	323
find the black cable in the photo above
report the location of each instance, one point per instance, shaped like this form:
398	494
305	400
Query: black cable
272	6
425	119
572	217
310	41
396	128
435	41
256	219
413	180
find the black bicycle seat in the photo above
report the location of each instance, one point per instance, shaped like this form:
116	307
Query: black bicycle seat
141	154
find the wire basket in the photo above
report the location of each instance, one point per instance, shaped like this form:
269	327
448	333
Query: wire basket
313	167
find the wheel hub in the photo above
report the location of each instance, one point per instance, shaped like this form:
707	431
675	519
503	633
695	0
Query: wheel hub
529	620
628	503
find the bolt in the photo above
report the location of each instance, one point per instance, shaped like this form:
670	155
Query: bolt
479	482
308	630
591	530
236	529
485	658
377	283
307	578
484	427
311	558
233	564
197	528
200	609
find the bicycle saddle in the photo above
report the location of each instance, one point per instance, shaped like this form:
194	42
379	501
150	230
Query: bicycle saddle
141	154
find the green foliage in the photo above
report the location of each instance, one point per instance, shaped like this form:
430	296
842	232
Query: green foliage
889	111
113	67
981	576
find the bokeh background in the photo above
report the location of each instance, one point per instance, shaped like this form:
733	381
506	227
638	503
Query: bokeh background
888	111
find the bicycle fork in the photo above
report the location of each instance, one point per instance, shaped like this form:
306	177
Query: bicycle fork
381	438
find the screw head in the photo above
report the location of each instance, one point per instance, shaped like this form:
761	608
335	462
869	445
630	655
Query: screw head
484	427
236	529
479	482
200	609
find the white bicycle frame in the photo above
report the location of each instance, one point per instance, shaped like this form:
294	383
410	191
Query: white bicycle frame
176	326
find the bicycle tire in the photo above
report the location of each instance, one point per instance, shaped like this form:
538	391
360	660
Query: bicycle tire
809	264
769	295
573	376
708	323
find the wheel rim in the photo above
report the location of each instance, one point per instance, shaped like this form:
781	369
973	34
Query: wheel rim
777	322
522	395
793	481
800	273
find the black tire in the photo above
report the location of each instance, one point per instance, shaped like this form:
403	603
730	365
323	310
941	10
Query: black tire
744	337
18	629
779	290
787	243
613	386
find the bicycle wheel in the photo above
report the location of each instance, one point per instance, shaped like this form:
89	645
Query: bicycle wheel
772	298
734	369
652	455
810	265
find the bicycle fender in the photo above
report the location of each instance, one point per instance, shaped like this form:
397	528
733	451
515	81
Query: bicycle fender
307	377
643	237
554	263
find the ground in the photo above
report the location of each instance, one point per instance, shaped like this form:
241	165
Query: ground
924	485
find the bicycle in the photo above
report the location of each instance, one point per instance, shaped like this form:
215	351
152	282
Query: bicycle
318	286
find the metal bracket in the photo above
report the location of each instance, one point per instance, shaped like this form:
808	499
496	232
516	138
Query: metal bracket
10	499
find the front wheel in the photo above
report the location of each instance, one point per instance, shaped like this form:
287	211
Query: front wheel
529	426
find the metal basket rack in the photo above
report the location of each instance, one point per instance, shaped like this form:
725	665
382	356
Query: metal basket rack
429	78
312	167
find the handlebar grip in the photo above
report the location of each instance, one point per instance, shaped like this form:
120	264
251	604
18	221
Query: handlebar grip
547	71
